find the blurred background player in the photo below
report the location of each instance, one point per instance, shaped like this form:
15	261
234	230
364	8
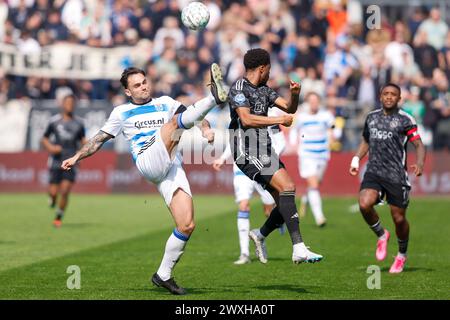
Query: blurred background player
244	188
154	150
313	131
63	136
385	136
250	99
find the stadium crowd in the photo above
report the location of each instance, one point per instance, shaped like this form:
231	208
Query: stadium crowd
324	43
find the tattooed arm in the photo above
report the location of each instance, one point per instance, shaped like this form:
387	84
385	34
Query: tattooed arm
92	146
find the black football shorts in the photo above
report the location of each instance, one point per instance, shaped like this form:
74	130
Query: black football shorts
396	194
58	175
260	168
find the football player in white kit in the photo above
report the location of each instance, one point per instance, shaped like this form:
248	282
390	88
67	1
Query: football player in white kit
150	124
243	191
315	127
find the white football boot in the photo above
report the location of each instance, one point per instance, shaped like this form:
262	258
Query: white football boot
260	244
243	259
300	254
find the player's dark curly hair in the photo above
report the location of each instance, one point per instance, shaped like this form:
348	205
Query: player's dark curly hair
391	84
128	72
255	58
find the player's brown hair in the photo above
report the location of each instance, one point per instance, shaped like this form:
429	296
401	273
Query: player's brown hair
128	72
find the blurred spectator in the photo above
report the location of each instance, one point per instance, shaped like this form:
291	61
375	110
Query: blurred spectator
276	32
166	63
366	87
444	56
311	83
215	15
413	105
18	14
441	106
337	17
435	28
3	17
304	57
56	29
396	50
416	107
171	30
338	64
415	20
425	54
322	43
72	13
95	23
28	45
145	28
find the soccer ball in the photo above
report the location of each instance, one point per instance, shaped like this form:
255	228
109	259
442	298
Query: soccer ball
195	16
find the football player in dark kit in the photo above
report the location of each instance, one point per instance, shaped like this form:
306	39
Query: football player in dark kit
385	136
250	98
61	139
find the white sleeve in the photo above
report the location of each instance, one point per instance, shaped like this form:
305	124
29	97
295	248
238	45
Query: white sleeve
113	125
172	104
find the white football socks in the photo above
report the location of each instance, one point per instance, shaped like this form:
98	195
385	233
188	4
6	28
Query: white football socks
196	112
243	225
174	249
305	199
315	202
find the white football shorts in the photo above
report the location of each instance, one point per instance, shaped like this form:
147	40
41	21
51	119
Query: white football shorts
312	167
244	188
156	166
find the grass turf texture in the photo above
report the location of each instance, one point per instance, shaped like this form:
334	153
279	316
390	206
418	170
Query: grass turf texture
118	242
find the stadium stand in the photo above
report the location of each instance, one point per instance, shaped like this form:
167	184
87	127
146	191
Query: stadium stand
46	44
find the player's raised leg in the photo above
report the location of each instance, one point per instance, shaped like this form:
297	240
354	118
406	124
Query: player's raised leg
182	211
197	111
367	200
402	231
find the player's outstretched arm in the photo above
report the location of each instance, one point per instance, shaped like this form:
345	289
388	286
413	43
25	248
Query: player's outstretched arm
361	153
420	156
292	105
91	147
254	121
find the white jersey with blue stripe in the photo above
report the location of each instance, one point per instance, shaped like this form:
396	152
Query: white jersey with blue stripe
313	132
138	123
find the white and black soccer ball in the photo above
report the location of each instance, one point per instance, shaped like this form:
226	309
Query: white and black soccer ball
195	16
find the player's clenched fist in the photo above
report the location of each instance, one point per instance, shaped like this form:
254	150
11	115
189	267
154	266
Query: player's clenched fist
418	169
354	166
287	120
69	163
295	87
218	163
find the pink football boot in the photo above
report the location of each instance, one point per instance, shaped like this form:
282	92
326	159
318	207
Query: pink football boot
398	265
382	246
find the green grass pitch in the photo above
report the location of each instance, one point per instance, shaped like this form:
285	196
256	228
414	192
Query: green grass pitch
118	240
